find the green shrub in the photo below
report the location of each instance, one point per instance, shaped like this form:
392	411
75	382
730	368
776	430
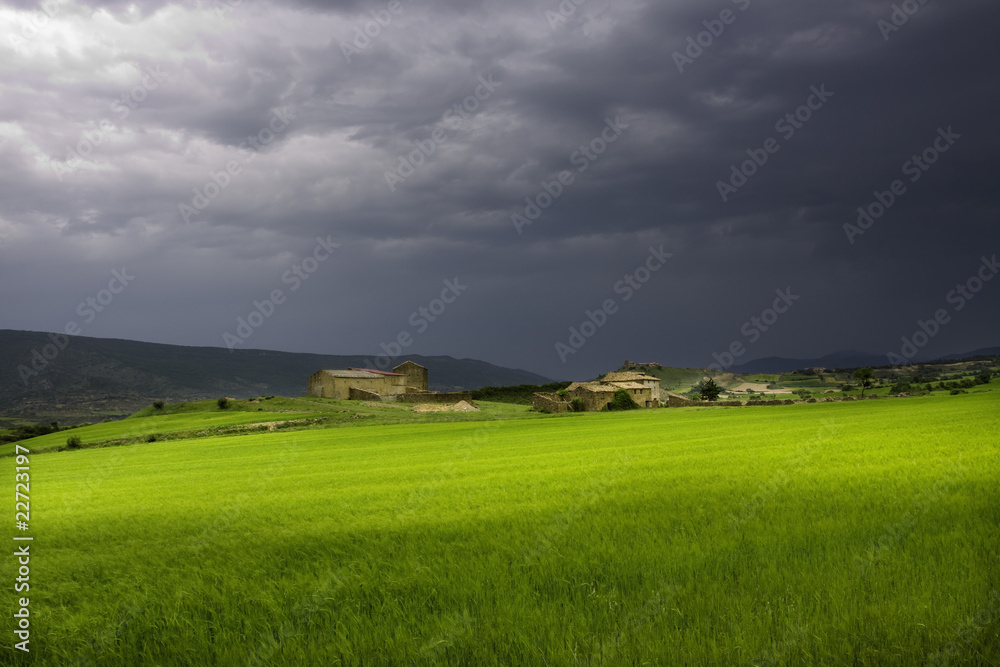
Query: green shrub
622	401
158	405
74	442
223	403
151	437
576	405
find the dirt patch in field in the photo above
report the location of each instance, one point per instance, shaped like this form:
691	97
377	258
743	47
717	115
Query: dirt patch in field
758	387
461	406
371	404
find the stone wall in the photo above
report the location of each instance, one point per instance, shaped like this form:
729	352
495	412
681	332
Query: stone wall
676	401
545	401
356	394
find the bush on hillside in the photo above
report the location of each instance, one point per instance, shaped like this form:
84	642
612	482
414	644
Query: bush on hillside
223	403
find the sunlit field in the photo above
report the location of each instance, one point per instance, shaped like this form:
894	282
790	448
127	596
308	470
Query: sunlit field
863	533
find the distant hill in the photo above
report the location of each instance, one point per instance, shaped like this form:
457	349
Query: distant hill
984	352
97	376
842	359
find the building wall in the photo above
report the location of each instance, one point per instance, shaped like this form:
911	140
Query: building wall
654	387
321	385
644	397
416	375
593	401
324	385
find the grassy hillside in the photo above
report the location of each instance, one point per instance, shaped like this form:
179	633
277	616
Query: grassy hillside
851	533
205	419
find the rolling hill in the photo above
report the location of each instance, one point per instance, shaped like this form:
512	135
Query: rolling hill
95	376
841	359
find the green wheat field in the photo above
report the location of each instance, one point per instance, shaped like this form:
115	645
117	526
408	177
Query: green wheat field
863	533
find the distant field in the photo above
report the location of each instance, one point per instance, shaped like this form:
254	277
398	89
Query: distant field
862	533
205	419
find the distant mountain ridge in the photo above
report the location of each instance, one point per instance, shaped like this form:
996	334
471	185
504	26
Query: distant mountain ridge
841	359
46	375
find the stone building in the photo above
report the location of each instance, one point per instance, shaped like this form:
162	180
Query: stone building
406	378
595	396
647	381
416	375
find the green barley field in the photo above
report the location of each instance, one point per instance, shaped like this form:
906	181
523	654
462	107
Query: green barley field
863	533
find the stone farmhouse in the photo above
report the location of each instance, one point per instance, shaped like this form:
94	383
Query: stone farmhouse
595	396
406	382
408	377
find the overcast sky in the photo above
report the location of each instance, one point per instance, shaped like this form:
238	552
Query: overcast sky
674	168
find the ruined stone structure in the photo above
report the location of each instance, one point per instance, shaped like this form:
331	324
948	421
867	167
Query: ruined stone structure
640	365
369	384
544	401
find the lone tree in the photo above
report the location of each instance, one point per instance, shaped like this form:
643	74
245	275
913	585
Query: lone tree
709	390
864	376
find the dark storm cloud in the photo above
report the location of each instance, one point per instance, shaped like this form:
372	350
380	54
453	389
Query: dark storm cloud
175	106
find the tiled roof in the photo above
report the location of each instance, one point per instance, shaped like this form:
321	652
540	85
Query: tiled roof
590	386
627	385
629	377
353	374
